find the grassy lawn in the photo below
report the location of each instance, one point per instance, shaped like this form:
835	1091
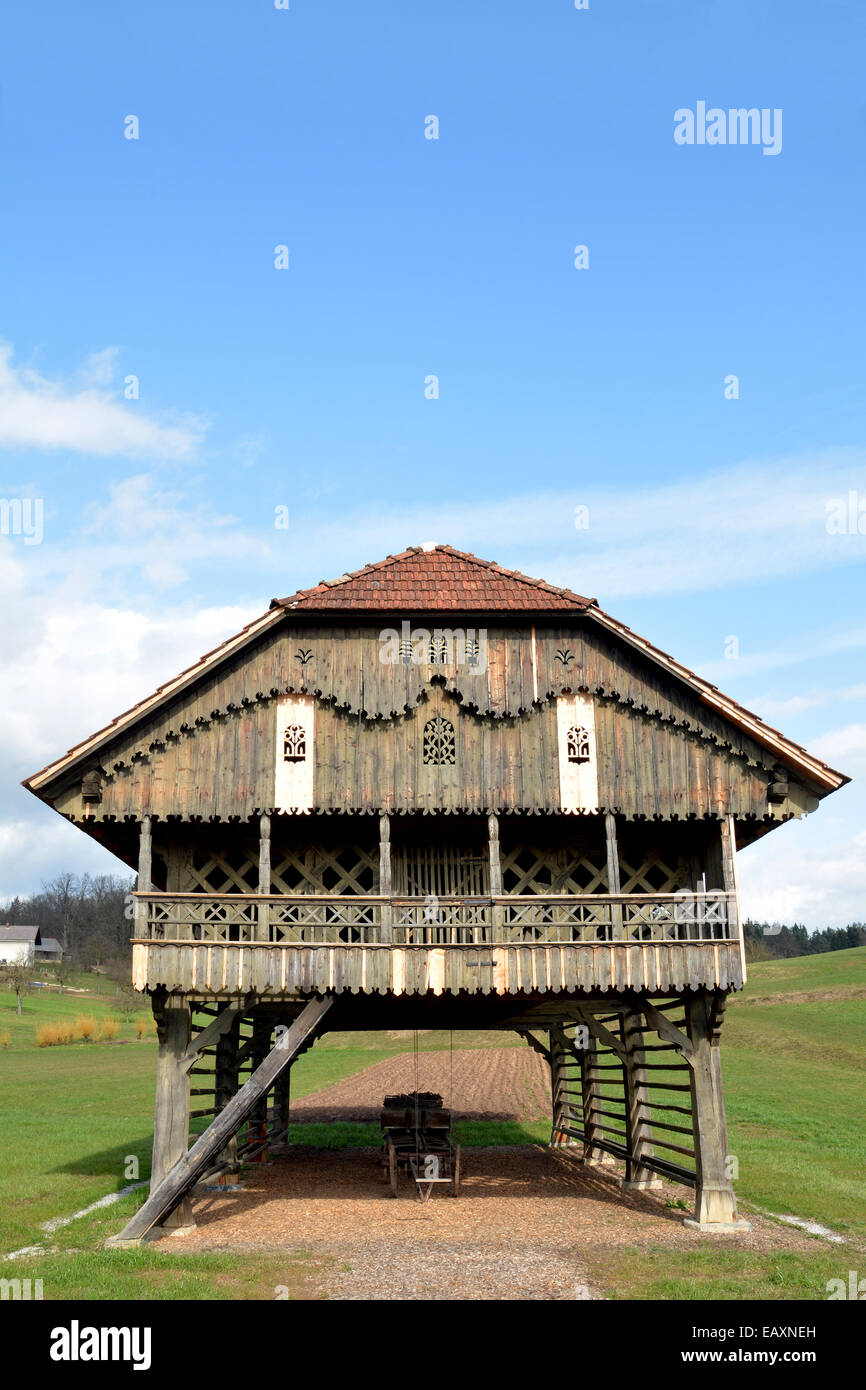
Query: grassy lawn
74	1116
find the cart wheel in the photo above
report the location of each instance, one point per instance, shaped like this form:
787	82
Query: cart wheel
455	1184
392	1171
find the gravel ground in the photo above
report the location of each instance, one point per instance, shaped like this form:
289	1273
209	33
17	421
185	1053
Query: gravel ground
517	1230
493	1083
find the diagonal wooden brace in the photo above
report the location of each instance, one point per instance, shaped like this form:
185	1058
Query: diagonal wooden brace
669	1031
189	1168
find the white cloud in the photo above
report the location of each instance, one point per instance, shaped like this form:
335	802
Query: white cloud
798	704
34	851
86	418
756	521
803	873
81	664
844	749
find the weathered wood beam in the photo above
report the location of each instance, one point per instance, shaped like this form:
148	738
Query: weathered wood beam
593	1131
144	881
497	913
669	1032
534	1043
176	1183
715	1206
226	1081
637	1103
211	1034
563	1114
263	932
171	1111
386	887
729	876
602	1034
613	874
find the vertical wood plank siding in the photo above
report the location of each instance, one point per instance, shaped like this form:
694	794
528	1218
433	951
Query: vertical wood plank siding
209	752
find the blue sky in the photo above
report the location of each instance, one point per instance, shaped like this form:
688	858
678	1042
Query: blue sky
453	257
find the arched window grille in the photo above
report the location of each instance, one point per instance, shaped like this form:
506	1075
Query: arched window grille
295	743
578	744
440	749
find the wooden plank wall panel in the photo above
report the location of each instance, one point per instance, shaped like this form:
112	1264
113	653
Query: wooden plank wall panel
230	971
650	762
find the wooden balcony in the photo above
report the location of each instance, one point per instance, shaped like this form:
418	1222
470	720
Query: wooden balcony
282	945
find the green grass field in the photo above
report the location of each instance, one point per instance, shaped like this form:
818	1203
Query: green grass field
76	1118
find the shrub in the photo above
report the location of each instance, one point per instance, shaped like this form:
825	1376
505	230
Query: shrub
144	1027
110	1029
46	1035
65	1032
86	1028
5	1038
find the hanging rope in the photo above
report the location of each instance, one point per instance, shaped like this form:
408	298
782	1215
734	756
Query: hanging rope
451	1080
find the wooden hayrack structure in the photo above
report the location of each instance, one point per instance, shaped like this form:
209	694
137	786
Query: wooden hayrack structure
438	794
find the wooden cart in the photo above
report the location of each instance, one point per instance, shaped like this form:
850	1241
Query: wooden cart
417	1141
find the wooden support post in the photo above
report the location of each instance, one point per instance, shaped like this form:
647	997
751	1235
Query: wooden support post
497	915
171	1113
226	1085
386	887
637	1112
613	878
593	1124
263	926
729	876
144	882
715	1207
282	1098
262	1029
561	1059
190	1166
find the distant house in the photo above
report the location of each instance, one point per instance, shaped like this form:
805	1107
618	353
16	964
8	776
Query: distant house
19	945
49	949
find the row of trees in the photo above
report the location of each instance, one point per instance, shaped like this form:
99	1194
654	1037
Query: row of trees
87	916
772	941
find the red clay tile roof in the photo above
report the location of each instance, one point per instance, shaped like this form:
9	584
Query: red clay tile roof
428	579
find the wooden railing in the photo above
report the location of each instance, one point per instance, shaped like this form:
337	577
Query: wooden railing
321	919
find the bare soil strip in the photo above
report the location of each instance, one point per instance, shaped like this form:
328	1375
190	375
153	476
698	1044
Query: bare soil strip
491	1083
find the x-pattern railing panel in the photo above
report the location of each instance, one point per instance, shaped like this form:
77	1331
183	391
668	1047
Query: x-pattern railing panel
510	920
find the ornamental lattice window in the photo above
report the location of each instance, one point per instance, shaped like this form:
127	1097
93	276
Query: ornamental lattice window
578	744
440	748
437	650
295	744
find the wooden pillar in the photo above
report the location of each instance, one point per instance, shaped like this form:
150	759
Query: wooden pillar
497	916
144	882
386	888
263	925
171	1114
613	878
715	1203
637	1113
282	1097
226	1085
564	1115
593	1124
729	878
261	1046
